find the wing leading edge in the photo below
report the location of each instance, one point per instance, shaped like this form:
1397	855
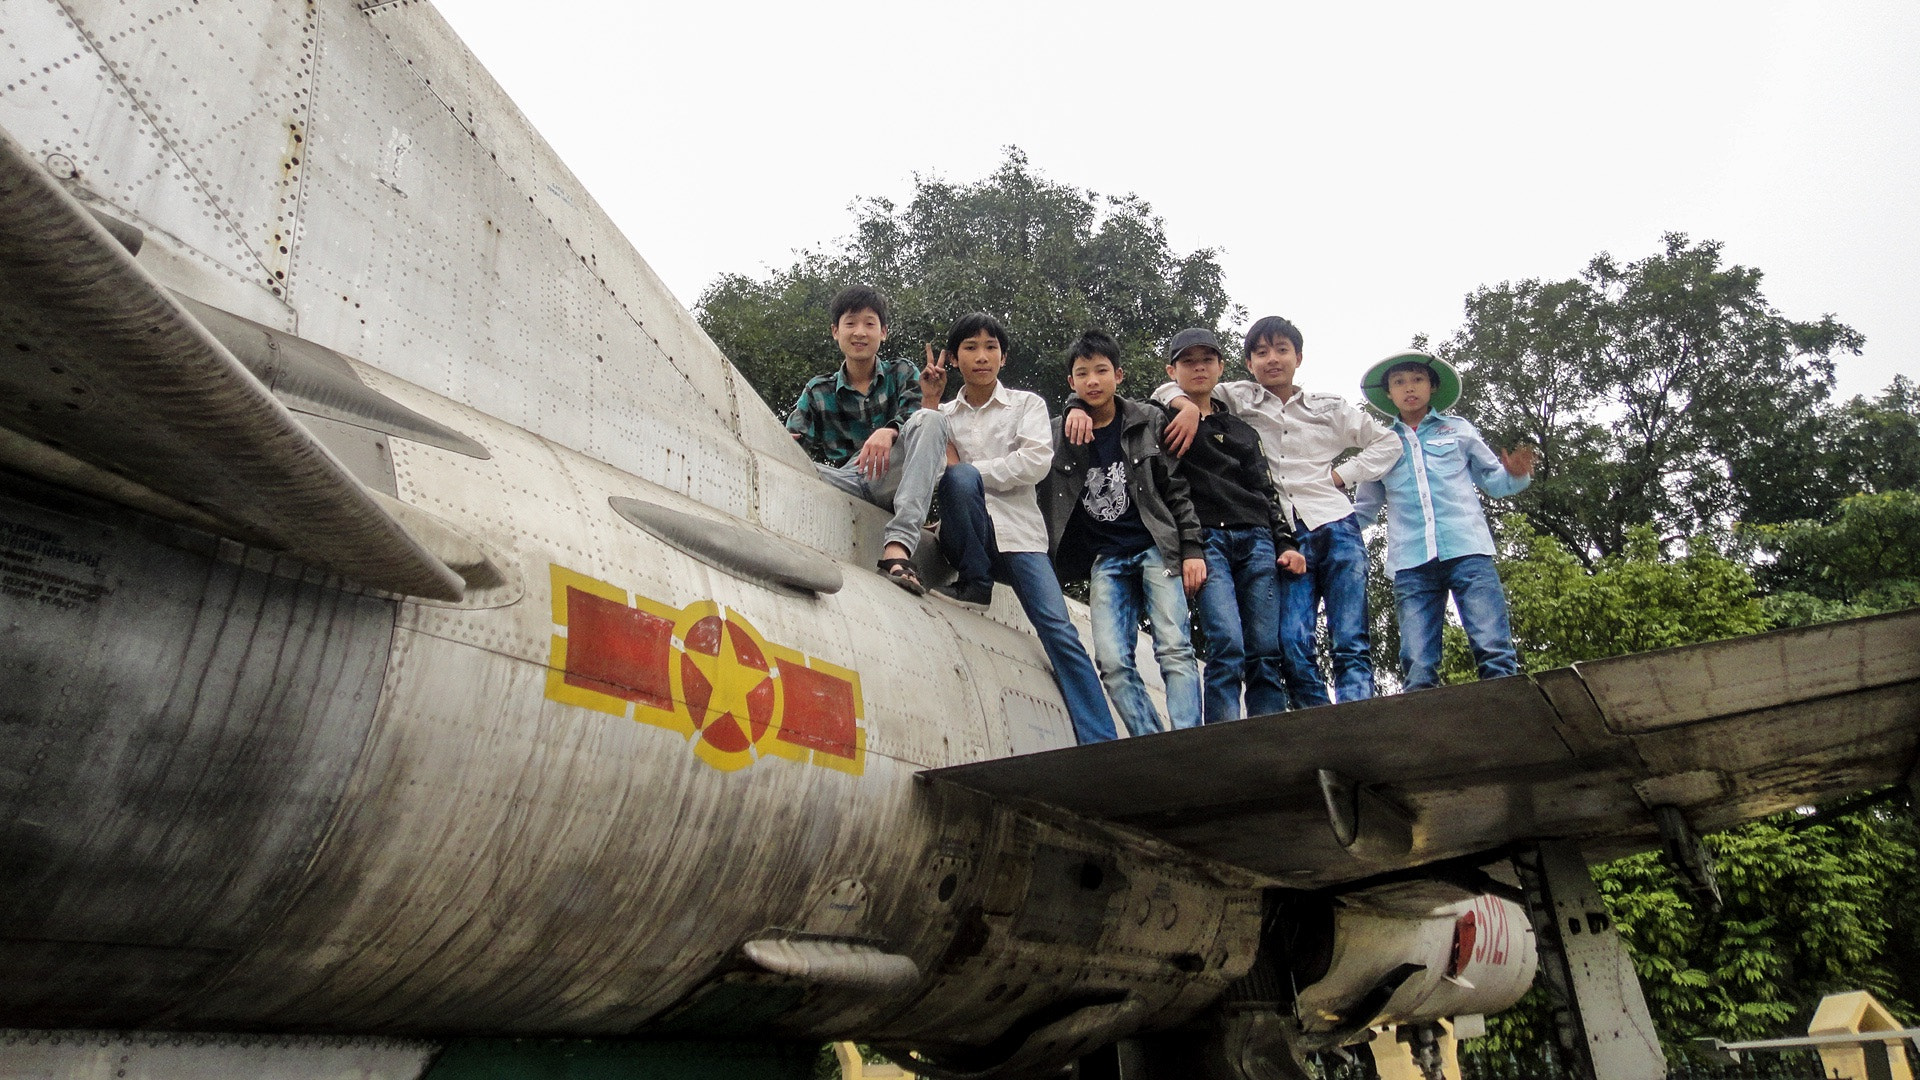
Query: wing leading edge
110	381
1725	732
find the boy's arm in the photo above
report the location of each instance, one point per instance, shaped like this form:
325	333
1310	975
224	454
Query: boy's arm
1025	463
803	424
1276	517
1368	500
907	401
1178	496
1487	469
1379	448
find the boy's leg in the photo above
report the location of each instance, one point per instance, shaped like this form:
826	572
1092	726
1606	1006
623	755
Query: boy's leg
1340	580
1482	601
1420	595
845	478
1299	638
1167	615
1031	575
966	531
918	459
1257	586
1219	612
1113	594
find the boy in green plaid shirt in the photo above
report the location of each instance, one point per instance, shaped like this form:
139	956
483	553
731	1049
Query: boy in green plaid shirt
864	428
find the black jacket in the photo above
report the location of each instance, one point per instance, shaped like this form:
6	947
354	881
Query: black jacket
1154	484
1227	478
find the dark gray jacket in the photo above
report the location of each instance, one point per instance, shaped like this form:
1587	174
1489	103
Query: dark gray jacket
1154	484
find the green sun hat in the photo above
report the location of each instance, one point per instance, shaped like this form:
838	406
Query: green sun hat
1374	383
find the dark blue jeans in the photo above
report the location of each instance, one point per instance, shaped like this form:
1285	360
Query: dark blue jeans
967	541
1336	579
1239	608
1420	592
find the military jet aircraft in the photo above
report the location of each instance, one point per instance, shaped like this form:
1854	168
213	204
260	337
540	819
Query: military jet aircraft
425	655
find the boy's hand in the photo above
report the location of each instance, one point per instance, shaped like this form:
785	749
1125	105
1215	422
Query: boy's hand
1193	574
1337	482
1518	462
953	454
1179	432
933	378
1077	426
1293	562
874	454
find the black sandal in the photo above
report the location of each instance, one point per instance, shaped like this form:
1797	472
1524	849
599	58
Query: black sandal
902	573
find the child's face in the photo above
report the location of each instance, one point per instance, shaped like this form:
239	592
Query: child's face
1273	362
1410	390
1196	370
980	360
1094	378
859	334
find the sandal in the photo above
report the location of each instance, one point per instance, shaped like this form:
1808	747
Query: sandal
901	573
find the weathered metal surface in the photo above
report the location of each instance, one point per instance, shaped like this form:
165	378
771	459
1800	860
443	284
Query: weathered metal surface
115	1055
178	733
1807	714
103	364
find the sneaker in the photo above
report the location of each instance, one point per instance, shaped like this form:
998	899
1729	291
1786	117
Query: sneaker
973	596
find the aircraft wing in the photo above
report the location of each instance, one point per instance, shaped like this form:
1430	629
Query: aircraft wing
1725	732
109	384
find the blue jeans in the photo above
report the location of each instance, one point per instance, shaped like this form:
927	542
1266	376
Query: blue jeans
1336	578
1121	586
1239	609
906	488
1421	595
967	541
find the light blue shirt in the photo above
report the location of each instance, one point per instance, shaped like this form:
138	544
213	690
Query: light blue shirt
1432	510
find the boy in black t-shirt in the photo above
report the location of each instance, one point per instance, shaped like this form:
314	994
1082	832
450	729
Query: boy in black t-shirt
1118	512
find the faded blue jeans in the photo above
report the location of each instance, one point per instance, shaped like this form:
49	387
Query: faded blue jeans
1336	578
1120	588
967	540
1420	592
1239	609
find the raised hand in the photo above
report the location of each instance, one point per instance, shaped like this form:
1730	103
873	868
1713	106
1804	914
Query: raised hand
933	378
1518	461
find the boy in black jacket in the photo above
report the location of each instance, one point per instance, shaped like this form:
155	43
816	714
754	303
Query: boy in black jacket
1246	539
1118	513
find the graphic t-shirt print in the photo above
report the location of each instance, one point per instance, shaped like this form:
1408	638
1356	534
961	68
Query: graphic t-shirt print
1106	494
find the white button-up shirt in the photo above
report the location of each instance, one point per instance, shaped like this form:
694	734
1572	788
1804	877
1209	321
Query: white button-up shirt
1302	435
1010	440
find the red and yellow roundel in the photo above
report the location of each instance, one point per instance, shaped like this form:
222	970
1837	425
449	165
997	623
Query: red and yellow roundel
703	671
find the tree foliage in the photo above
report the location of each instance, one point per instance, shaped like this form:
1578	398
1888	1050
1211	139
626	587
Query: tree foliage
1047	258
1664	390
1808	912
1863	561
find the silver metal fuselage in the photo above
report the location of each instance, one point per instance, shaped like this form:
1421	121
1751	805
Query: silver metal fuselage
243	794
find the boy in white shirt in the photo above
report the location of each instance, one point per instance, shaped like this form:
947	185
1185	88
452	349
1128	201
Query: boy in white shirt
1000	447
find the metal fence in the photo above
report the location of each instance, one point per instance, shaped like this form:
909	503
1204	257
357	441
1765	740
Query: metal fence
1546	1064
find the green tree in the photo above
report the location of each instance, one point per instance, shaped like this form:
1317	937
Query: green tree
1664	390
1048	258
1641	599
1863	561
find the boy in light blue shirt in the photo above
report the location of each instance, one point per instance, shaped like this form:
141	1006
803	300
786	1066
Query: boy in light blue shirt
1437	536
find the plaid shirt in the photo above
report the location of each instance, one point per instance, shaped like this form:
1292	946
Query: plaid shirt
833	419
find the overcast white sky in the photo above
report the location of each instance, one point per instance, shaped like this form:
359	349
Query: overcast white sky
1363	167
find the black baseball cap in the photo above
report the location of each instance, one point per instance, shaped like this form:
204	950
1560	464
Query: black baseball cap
1187	339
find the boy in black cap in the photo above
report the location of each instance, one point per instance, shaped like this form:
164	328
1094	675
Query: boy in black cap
1246	538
